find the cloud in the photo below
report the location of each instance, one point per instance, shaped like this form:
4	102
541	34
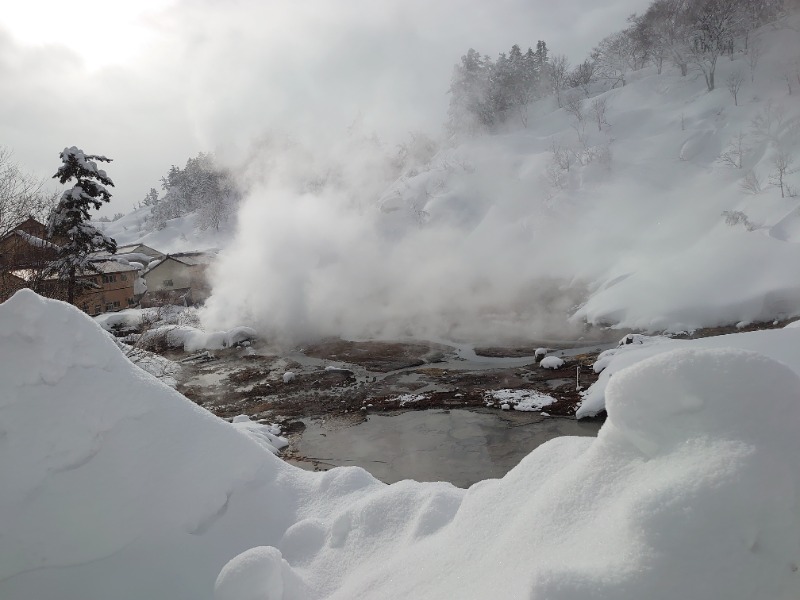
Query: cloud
212	75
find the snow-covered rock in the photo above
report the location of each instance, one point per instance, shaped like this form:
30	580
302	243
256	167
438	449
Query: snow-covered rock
192	339
523	400
266	435
551	362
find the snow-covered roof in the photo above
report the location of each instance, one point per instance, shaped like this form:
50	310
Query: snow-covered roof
194	258
112	266
189	259
24	274
104	267
138	249
33	240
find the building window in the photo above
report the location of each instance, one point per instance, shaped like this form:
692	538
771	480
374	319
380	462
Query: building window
97	308
168	283
86	307
109	306
116	303
124	277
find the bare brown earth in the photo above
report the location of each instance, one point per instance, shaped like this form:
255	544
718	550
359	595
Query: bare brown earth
352	379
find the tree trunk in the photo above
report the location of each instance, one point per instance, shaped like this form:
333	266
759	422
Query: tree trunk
71	286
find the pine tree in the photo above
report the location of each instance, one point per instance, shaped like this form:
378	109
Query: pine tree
70	220
501	84
470	111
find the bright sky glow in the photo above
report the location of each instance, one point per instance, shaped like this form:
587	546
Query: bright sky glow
98	32
166	79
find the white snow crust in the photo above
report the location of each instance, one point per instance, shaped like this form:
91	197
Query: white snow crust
780	344
116	486
551	362
524	400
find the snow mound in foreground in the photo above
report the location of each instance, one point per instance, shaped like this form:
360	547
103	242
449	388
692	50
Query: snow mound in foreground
115	486
780	344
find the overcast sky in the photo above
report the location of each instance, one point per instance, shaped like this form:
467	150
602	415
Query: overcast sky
152	82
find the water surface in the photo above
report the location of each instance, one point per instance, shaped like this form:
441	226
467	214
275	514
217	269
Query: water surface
459	446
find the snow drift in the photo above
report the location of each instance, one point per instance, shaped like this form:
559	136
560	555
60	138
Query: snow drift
115	486
779	344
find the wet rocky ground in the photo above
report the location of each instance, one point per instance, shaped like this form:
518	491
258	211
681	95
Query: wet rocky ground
427	411
404	409
353	379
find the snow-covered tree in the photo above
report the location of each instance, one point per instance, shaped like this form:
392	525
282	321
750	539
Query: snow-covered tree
151	198
469	110
201	187
669	32
524	85
734	83
582	76
501	88
782	162
558	72
70	221
617	54
714	25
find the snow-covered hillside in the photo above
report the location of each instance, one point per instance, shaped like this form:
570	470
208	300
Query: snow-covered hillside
179	235
640	223
115	486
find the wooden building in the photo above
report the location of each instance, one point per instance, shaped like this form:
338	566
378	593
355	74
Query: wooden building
25	251
179	278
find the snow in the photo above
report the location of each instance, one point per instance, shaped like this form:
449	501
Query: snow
288	377
128	318
192	339
115	485
267	436
523	400
162	368
551	362
406	399
34	241
179	235
780	344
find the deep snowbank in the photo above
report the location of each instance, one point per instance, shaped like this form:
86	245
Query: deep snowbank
780	344
115	486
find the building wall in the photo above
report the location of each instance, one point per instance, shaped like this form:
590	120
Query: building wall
115	293
116	290
15	252
171	275
9	285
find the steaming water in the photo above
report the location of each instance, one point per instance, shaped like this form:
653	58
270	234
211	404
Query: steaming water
459	446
